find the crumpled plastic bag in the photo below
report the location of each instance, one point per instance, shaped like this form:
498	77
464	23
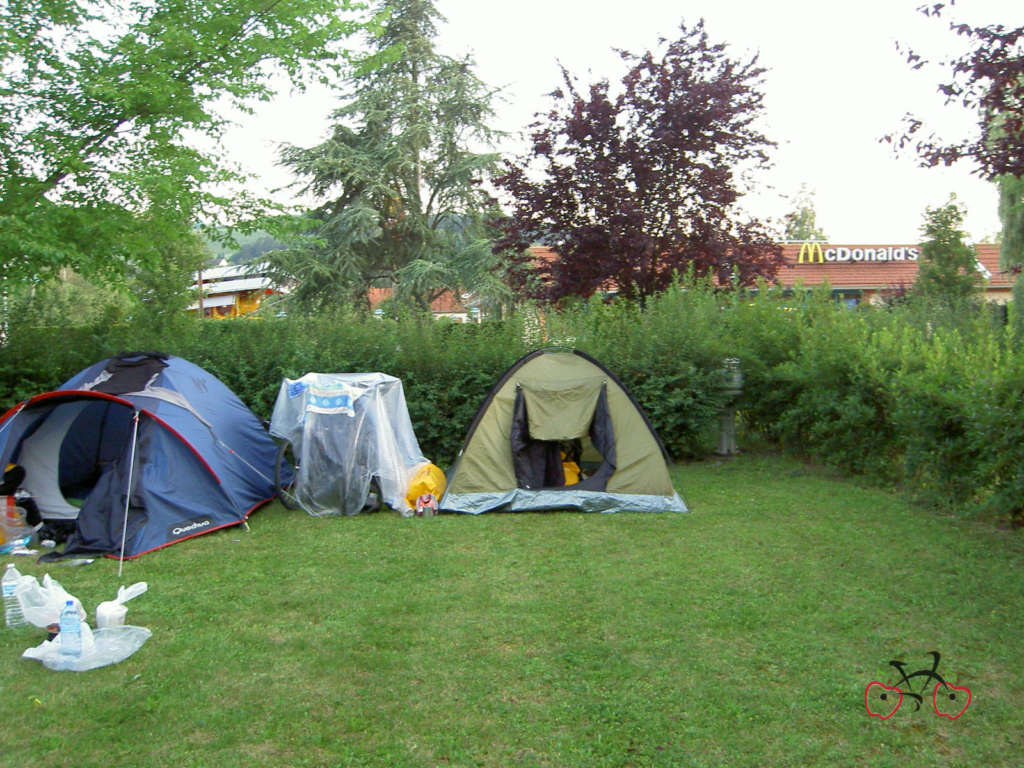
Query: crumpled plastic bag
16	545
99	649
112	612
42	603
427	478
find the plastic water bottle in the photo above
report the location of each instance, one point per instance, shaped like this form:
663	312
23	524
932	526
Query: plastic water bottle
12	608
70	631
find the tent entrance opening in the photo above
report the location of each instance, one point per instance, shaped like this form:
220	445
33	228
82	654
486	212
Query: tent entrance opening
69	450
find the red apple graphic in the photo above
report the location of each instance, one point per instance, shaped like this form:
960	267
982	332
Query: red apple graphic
883	699
951	697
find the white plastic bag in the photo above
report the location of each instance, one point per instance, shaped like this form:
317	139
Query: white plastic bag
112	612
42	603
103	647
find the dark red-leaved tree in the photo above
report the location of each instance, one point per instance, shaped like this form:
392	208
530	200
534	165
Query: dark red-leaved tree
632	187
987	79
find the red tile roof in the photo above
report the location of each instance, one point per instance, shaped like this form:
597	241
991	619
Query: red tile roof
844	266
865	267
543	253
446	302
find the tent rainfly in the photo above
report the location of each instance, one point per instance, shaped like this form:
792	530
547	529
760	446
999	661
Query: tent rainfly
346	431
142	450
553	412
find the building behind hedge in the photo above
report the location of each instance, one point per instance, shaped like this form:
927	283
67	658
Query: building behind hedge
869	273
855	273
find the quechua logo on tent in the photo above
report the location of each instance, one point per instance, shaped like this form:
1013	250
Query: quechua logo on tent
188	527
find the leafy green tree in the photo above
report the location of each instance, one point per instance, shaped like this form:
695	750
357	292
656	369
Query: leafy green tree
65	300
1011	216
801	222
166	291
401	184
1011	241
98	104
151	296
988	80
948	271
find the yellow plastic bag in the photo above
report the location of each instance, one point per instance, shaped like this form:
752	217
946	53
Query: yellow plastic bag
428	478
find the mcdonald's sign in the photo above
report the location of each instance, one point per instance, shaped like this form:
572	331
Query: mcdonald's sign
811	251
816	253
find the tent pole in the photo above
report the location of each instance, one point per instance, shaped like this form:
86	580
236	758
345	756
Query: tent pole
239	456
128	495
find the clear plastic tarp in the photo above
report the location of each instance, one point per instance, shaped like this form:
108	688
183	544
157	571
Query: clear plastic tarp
346	429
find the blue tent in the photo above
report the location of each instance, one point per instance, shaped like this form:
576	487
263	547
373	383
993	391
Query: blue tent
142	450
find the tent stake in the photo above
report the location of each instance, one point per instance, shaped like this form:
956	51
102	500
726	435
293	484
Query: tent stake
128	495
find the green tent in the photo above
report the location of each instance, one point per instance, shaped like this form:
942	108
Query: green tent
553	412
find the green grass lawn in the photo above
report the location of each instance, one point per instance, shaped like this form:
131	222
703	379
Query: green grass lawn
742	634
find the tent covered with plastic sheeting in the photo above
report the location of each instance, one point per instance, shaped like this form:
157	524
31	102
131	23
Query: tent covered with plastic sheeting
141	451
559	431
347	430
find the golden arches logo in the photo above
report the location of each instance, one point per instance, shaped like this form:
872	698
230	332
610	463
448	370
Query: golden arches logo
810	251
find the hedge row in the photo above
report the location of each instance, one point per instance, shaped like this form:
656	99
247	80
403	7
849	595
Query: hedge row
446	369
916	397
927	400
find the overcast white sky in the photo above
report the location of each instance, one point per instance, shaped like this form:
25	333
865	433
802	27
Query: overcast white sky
835	85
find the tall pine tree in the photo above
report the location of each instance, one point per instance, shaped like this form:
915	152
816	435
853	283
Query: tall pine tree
400	175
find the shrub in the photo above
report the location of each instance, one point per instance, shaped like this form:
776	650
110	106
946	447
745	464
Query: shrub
900	395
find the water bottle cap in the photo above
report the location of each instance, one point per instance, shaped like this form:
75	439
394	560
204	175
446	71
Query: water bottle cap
69	603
